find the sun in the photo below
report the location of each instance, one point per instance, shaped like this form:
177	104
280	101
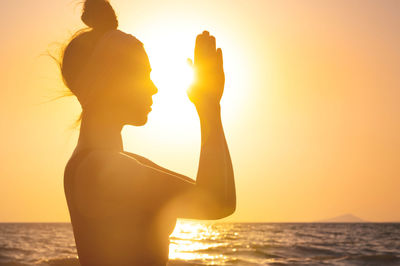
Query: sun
171	74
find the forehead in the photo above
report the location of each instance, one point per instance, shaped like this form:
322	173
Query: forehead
135	57
125	53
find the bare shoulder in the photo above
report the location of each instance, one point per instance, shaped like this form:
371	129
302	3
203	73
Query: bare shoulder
103	161
104	168
106	181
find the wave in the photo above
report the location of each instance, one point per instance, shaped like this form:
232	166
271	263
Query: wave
12	264
375	258
60	262
11	249
49	262
314	250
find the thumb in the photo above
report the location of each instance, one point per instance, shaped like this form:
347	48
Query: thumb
189	62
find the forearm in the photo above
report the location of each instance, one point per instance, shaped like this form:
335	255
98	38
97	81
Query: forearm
215	174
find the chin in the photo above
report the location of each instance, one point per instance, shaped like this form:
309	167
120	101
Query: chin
139	122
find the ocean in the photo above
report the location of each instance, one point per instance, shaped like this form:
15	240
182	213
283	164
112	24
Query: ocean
194	243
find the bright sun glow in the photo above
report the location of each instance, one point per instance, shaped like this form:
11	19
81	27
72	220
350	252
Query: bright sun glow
172	77
173	124
168	46
171	74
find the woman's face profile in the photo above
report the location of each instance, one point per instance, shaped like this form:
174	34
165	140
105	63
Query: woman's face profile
130	96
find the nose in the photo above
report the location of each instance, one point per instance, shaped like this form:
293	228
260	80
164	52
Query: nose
154	88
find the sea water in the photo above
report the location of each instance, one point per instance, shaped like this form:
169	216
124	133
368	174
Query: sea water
194	243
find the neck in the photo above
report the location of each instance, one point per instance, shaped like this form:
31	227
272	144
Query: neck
100	131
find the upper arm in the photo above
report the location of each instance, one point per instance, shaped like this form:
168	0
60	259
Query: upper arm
148	162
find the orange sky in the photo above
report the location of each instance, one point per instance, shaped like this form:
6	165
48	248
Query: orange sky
311	107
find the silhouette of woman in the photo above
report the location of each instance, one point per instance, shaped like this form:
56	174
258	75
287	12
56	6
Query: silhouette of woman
123	207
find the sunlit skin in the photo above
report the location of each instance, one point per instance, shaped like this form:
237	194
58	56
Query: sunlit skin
128	205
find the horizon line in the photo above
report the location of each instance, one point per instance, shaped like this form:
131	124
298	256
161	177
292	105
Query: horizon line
210	221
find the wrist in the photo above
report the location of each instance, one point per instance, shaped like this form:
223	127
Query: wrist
208	108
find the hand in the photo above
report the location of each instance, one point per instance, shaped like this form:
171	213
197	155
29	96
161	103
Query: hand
209	78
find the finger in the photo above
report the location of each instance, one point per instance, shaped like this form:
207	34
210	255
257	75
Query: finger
199	49
209	48
196	48
213	43
220	61
206	33
212	51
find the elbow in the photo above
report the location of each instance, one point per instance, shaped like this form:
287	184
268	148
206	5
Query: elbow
222	210
216	206
227	211
222	213
229	205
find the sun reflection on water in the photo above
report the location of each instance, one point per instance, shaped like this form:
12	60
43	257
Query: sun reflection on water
191	241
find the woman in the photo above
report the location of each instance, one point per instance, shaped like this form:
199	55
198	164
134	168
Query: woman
123	207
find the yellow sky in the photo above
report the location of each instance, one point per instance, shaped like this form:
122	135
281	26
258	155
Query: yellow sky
311	107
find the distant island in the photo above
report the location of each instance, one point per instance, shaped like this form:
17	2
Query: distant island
346	218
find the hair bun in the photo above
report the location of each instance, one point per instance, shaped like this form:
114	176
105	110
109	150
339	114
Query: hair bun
99	15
